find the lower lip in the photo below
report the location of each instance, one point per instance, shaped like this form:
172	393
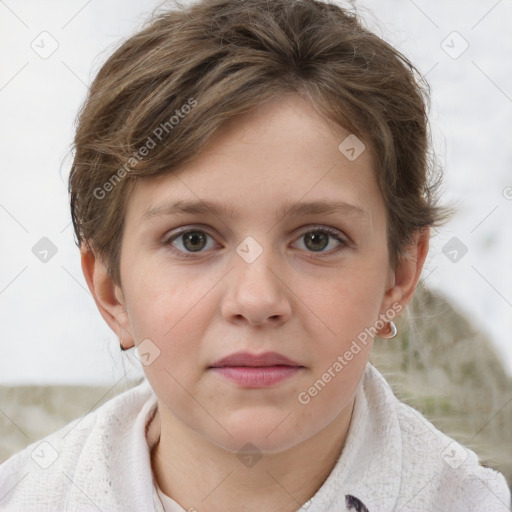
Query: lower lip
257	376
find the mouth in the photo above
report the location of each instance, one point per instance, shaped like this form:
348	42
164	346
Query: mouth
247	359
256	370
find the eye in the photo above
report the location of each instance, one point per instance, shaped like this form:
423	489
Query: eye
316	239
191	241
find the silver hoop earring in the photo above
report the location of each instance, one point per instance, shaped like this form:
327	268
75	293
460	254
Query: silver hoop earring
393	332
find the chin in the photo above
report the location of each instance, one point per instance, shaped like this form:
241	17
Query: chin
262	434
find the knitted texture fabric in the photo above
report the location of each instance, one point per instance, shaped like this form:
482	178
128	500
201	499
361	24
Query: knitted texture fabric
394	459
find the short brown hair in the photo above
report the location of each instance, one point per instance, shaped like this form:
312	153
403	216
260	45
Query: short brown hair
210	61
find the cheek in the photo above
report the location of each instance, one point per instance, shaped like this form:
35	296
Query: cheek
341	343
166	301
345	305
173	312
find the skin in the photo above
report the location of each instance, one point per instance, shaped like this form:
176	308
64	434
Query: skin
304	303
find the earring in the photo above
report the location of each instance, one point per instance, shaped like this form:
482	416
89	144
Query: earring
393	332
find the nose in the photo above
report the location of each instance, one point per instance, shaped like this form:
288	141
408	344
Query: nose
257	292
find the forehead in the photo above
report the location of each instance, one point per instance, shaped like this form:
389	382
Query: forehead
279	154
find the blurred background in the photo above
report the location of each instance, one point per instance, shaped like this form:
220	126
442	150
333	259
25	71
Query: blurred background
453	358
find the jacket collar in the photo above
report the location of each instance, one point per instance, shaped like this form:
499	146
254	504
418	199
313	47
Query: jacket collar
115	455
369	470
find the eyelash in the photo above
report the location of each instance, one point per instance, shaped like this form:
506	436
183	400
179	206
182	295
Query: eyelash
330	231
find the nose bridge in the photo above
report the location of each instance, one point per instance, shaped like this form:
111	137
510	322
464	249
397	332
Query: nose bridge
255	262
256	291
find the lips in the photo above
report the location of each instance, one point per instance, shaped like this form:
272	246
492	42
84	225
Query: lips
256	371
265	359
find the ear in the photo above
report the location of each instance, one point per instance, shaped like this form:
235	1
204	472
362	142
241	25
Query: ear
403	280
108	296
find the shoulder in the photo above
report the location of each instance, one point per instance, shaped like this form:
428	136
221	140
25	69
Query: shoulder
438	473
42	474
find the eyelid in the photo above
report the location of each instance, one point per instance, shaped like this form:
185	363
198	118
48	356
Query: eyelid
328	229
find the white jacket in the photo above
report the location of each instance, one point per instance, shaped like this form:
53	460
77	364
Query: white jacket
393	460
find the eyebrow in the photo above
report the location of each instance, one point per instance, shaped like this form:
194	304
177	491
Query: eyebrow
182	207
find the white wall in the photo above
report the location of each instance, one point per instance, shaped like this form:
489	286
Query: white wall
51	331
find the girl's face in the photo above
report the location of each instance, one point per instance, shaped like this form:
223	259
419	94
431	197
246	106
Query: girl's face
251	277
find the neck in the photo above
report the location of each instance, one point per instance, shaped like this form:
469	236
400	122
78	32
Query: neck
200	475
